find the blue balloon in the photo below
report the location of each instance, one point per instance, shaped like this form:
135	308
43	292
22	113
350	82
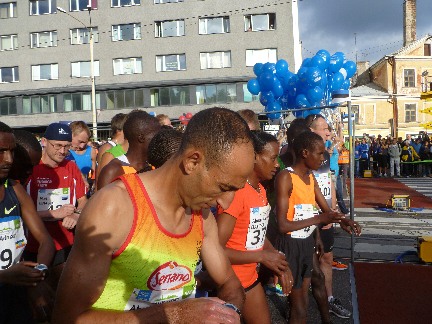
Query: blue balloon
265	81
336	62
269	67
346	84
253	86
301	101
301	73
350	68
258	68
313	76
311	112
282	68
323	80
305	62
266	98
277	89
318	62
337	81
325	56
274	106
315	95
341	55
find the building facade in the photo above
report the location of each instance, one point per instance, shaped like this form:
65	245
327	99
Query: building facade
164	56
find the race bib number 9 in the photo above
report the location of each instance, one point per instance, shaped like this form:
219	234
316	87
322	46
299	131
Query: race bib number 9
301	212
259	217
52	199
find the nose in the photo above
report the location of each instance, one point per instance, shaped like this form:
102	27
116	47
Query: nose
8	157
225	199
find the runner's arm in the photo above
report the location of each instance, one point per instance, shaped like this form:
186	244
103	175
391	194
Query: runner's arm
108	174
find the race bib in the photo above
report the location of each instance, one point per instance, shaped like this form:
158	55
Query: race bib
258	222
52	199
301	212
12	241
324	183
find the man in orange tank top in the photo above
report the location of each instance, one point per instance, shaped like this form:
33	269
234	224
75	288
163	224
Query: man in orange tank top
214	160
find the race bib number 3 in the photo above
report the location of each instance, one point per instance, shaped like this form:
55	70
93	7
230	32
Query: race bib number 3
52	199
259	217
301	212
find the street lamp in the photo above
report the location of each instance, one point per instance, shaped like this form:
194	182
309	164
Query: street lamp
93	89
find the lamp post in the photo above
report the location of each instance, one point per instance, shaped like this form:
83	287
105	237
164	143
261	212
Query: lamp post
92	77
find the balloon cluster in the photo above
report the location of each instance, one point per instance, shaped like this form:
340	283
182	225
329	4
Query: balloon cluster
312	85
184	119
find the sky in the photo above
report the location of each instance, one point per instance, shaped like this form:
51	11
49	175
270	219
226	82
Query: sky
376	26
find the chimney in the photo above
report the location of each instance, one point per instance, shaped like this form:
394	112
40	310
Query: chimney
409	16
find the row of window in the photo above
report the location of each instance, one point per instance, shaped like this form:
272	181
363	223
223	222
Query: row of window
133	65
132	31
130	98
43	7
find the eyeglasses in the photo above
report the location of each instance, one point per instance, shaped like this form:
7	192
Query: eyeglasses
58	147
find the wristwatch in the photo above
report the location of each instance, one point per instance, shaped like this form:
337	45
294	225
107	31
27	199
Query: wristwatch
234	307
42	268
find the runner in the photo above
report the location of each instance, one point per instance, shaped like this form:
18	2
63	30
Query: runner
139	129
297	193
131	256
242	230
163	146
17	210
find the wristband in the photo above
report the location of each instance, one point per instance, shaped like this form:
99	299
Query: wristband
42	268
234	307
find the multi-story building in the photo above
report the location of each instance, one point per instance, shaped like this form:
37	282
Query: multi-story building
165	56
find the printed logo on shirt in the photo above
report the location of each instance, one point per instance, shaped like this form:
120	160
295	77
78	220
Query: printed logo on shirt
8	211
169	276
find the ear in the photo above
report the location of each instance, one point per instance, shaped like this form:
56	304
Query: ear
43	142
192	159
305	153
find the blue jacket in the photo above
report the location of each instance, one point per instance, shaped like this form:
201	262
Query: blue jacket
364	151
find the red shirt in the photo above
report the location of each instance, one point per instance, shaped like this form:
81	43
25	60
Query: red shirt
251	211
50	188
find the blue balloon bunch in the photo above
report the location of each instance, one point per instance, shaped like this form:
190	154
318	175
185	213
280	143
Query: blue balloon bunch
312	85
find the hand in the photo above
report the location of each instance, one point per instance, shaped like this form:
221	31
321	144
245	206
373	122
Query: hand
70	222
275	261
205	310
348	225
286	280
331	217
63	211
22	274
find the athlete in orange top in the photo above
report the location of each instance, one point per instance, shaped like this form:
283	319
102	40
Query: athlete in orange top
242	230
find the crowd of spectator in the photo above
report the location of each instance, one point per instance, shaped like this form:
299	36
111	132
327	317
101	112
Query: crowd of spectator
391	157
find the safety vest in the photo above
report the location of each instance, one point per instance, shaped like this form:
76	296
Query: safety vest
344	157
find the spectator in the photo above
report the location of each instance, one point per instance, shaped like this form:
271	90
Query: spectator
251	119
164	120
408	155
395	151
364	156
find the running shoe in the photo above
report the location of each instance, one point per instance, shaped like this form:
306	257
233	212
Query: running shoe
336	265
336	308
271	289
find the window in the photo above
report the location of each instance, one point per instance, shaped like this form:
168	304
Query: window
43	39
82	69
39	104
261	56
169	28
212	93
125	3
173	62
8	42
167	1
45	72
8	10
126	32
8	106
80	5
9	74
129	65
409	78
79	101
130	98
170	96
355	109
214	25
247	96
82	35
42	7
260	22
410	113
215	60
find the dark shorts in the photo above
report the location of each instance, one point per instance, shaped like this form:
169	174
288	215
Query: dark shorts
299	254
14	305
327	237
